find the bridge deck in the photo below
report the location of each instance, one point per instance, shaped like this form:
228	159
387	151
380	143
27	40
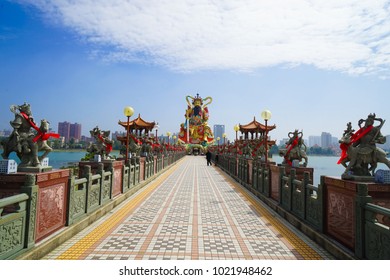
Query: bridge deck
191	212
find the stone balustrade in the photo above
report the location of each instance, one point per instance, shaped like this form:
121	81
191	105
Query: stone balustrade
356	216
34	206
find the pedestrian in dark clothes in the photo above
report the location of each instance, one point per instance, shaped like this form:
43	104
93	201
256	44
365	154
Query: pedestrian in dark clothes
208	158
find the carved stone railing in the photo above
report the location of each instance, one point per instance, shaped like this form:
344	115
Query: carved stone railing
14	224
372	236
335	209
126	173
26	201
77	199
107	184
314	214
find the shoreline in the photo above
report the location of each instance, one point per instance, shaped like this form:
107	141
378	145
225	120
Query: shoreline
73	150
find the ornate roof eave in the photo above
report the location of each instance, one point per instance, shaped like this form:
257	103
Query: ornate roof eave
255	126
138	123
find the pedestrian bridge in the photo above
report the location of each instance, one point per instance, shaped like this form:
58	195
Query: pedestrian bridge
182	209
191	212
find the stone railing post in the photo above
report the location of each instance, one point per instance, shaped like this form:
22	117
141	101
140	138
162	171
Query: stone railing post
362	198
31	189
282	172
105	185
305	182
125	178
266	180
254	174
70	198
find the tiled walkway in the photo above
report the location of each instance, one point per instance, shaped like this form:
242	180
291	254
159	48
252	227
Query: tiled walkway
191	212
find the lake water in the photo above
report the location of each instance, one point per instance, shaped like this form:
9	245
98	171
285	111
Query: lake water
322	165
326	165
58	159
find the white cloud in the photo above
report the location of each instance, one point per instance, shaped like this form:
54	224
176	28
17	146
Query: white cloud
349	36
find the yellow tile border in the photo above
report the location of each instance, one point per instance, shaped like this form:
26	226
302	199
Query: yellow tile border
76	251
299	245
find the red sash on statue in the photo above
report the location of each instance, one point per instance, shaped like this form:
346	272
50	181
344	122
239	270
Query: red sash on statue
108	145
138	142
354	138
289	148
43	135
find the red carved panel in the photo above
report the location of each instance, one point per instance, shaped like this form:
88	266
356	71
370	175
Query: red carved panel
340	208
341	216
52	175
117	181
250	164
142	169
52	201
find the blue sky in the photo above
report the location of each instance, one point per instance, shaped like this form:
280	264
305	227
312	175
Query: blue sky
316	65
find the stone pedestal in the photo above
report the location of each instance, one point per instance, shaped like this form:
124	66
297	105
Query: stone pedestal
340	197
35	169
367	179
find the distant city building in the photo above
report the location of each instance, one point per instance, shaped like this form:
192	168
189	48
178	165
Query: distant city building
64	130
75	131
314	141
335	141
69	131
117	133
87	139
283	142
5	132
326	140
219	130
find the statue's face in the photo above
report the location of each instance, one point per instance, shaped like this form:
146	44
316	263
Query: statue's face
369	121
25	109
197	103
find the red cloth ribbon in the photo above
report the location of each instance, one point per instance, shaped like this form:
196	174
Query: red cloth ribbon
108	145
138	142
292	145
289	147
354	138
41	135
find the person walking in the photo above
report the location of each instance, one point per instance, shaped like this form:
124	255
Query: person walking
208	158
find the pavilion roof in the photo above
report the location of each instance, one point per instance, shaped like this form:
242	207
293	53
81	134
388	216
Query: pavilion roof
138	123
255	126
